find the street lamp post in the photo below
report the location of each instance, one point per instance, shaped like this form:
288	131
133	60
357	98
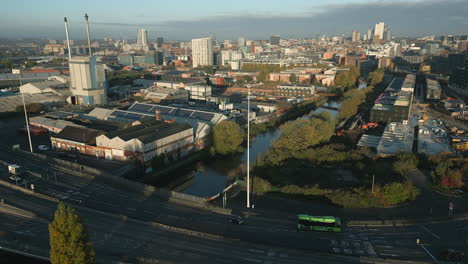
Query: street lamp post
248	146
18	71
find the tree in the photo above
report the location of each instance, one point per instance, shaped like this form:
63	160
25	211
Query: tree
30	108
6	64
30	63
406	161
300	135
375	77
292	78
227	138
69	241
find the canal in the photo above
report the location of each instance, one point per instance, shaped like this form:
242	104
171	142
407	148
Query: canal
210	176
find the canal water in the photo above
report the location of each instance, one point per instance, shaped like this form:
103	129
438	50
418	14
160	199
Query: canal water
209	177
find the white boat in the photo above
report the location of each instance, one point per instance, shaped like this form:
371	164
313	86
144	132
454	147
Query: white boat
5	90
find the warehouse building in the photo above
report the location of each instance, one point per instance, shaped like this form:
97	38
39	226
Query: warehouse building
394	104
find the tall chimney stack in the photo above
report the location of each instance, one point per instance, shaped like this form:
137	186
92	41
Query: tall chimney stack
68	38
87	34
158	115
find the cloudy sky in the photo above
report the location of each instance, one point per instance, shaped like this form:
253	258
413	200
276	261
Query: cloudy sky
253	19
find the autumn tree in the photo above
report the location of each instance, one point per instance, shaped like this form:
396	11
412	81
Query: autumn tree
69	240
375	77
302	134
227	138
292	78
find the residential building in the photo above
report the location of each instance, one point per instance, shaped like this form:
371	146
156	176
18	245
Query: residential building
230	55
202	52
142	37
295	90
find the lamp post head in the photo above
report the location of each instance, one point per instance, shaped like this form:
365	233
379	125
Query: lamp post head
65	19
86	16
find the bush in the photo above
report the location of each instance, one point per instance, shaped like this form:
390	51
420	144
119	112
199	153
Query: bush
30	108
396	193
405	161
260	185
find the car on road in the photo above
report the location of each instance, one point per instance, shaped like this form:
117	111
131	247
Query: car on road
452	255
43	147
235	219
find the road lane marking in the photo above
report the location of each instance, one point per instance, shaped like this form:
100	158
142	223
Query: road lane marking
258	251
391	255
384	246
254	260
429	253
429	231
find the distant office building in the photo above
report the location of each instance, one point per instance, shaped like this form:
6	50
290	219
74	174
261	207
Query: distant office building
379	30
375	39
354	36
142	37
125	59
364	37
387	34
202	52
159	42
275	40
241	42
217	58
88	82
370	34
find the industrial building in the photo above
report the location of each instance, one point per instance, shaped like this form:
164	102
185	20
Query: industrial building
201	121
397	137
147	140
433	90
88	81
394	104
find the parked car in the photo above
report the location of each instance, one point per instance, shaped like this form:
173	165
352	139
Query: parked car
235	219
15	178
452	255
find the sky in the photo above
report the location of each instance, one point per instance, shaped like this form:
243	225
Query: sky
252	19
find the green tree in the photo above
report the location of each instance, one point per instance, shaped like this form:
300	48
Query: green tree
6	64
262	76
293	78
227	138
30	63
69	241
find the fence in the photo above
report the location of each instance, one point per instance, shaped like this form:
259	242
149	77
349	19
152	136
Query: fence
111	178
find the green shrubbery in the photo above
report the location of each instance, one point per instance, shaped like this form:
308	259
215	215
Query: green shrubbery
359	197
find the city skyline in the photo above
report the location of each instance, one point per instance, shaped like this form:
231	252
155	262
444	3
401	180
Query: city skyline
411	18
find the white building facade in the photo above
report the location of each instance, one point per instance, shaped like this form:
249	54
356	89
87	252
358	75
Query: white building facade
202	52
88	82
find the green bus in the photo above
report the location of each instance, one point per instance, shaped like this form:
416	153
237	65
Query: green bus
318	223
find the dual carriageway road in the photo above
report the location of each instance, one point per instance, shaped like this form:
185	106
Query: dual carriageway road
121	225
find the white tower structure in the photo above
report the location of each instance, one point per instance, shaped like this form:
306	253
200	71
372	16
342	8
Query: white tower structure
202	52
379	30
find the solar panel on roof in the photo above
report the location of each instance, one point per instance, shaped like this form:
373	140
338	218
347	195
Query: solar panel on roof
118	113
133	116
203	116
141	107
